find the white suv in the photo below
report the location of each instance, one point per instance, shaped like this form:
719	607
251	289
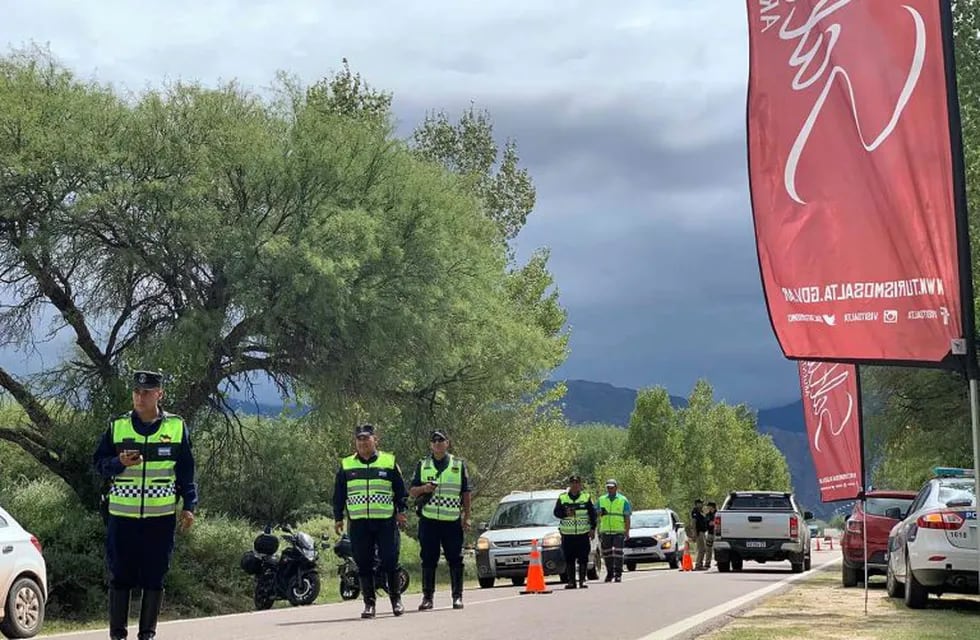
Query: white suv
503	551
934	548
23	580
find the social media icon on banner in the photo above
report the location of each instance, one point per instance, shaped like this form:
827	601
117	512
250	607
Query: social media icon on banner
890	316
944	312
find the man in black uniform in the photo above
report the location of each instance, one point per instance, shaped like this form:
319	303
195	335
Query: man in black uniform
146	456
700	531
370	488
577	523
441	488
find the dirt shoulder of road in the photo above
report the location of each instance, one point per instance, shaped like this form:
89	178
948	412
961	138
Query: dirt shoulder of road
819	607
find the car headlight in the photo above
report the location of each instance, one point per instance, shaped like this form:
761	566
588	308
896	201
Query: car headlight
661	536
551	540
482	544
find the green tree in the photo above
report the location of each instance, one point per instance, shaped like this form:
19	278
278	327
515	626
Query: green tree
227	239
637	481
467	148
596	444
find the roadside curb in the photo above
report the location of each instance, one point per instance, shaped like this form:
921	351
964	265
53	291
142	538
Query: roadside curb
721	615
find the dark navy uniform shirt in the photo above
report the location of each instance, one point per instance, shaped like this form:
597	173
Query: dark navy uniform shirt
107	462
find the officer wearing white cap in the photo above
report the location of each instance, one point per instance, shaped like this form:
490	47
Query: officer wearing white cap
441	488
370	488
614	529
146	457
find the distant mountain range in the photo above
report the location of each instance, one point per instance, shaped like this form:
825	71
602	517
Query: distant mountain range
587	402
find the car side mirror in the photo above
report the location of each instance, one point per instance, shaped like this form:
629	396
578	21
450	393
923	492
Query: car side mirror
483	526
895	513
678	526
808	515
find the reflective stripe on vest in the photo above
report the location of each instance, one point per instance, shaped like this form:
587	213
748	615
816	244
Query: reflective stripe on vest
370	493
614	521
446	502
577	523
148	489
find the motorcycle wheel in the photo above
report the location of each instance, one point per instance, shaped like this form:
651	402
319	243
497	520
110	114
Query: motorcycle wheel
304	589
262	599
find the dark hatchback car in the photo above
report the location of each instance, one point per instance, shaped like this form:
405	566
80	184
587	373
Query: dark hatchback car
884	509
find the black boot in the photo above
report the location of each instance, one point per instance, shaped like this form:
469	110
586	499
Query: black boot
367	594
583	574
118	613
428	588
570	576
149	612
618	564
394	594
456	580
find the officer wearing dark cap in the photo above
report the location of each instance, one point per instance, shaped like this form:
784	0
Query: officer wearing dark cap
441	488
146	457
577	524
370	488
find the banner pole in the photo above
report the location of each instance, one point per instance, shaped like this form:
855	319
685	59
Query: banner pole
864	537
967	302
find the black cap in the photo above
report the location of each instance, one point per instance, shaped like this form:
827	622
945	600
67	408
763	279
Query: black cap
364	430
437	435
575	478
147	379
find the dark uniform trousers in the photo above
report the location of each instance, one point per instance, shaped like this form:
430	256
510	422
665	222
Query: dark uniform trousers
575	548
366	536
446	535
612	551
138	551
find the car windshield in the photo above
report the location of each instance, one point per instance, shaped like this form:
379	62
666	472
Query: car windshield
524	513
649	521
961	491
878	506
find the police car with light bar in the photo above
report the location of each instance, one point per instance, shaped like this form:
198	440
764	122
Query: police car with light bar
934	548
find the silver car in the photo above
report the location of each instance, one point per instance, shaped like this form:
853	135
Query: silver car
503	550
656	535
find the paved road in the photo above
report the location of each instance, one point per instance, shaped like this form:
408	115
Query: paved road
647	600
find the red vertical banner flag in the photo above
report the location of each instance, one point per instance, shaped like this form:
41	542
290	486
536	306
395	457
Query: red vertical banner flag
852	179
832	407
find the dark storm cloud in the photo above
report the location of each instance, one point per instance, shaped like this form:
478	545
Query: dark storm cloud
629	116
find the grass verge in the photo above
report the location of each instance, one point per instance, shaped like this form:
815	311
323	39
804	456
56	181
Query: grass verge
819	607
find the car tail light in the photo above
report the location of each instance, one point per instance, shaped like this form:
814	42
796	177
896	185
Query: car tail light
948	520
717	526
855	526
794	527
36	543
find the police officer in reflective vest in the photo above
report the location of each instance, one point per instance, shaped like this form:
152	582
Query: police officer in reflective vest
577	526
146	456
370	488
441	488
614	529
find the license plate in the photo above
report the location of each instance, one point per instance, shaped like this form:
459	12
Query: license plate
638	550
512	560
755	544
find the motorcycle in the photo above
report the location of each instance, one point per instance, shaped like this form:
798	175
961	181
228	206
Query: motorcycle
291	576
350	584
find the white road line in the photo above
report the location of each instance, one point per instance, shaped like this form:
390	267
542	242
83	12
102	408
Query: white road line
698	619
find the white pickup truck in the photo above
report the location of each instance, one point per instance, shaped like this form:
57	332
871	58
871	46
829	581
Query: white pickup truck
764	526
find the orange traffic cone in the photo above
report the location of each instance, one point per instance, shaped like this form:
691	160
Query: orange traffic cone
535	572
687	563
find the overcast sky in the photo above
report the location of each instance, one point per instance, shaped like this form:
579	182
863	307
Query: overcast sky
630	117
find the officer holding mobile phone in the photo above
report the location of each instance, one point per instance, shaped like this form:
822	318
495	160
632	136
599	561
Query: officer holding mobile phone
441	488
146	456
